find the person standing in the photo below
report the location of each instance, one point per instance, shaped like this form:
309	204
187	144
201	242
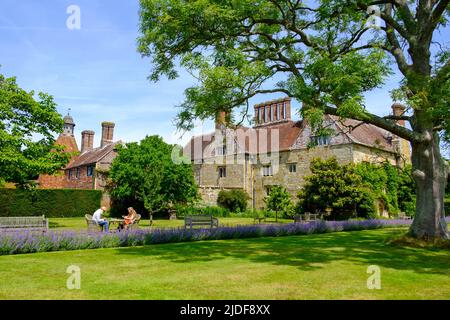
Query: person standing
97	217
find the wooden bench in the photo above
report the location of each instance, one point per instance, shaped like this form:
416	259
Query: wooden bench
200	221
135	224
307	217
29	223
92	225
259	219
403	216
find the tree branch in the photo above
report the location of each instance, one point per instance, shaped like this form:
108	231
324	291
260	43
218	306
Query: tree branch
380	122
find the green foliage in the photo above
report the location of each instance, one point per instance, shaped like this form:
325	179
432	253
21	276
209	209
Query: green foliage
337	187
214	211
249	44
351	190
145	175
27	129
55	203
393	185
234	200
322	52
279	200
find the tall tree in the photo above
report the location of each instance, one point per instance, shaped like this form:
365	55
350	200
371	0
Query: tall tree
145	172
324	53
279	200
27	129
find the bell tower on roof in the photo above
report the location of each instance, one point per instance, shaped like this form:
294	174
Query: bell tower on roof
69	125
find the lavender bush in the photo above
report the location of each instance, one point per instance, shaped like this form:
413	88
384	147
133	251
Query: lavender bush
28	242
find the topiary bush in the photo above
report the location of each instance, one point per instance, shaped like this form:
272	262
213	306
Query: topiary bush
234	200
53	203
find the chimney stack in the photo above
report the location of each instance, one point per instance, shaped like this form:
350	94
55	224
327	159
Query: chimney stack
273	111
107	133
399	110
87	140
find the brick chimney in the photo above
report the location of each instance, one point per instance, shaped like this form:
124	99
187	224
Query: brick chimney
400	145
87	140
274	111
399	110
107	133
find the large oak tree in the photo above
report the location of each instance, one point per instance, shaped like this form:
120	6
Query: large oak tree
326	54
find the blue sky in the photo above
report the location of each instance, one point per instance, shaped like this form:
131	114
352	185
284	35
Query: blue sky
97	72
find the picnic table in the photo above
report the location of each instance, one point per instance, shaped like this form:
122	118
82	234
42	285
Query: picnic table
115	221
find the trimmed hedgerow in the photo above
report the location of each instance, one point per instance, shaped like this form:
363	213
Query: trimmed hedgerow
53	203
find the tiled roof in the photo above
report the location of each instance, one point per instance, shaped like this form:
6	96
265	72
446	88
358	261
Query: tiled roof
68	141
288	132
92	156
365	134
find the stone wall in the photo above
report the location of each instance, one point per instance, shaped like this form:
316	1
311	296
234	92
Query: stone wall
249	176
293	182
366	154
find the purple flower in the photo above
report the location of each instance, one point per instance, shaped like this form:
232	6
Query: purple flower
31	241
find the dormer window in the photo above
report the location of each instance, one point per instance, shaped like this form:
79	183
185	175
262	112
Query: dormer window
320	140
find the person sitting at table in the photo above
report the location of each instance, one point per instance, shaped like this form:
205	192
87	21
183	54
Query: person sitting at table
97	217
128	219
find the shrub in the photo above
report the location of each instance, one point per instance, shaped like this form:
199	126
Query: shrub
337	187
215	211
351	190
53	203
251	213
234	200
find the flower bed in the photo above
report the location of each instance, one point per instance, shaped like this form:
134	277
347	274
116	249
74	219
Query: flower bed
29	242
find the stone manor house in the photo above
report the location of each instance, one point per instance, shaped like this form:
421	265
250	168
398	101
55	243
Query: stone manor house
278	151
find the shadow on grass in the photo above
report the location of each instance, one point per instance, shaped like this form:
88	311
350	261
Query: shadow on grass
306	252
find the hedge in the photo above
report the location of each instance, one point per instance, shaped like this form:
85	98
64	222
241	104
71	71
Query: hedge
53	203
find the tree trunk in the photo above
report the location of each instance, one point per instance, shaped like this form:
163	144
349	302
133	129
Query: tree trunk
429	172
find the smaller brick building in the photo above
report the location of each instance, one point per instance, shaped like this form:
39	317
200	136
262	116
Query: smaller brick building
89	166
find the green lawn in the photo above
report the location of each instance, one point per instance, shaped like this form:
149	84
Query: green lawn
321	266
80	223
